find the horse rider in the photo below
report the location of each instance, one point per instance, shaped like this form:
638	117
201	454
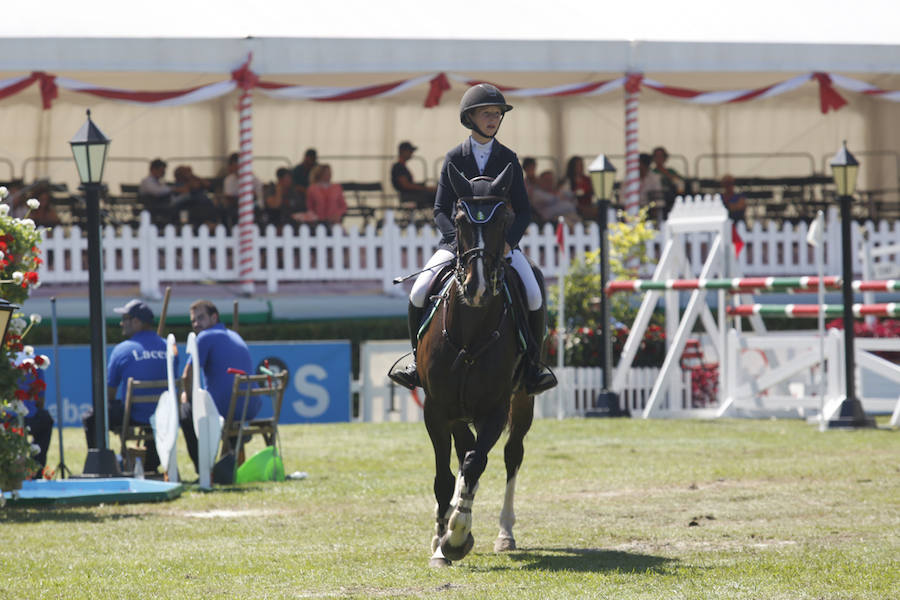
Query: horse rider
482	110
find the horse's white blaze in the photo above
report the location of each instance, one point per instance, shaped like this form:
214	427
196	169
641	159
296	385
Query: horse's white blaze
479	269
507	513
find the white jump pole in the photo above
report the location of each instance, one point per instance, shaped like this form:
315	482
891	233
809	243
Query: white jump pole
815	238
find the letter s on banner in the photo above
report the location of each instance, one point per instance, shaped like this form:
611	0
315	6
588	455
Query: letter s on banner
312	390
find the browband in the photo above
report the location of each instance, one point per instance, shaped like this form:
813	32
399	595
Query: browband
479	216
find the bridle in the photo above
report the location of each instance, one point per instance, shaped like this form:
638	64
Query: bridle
478	217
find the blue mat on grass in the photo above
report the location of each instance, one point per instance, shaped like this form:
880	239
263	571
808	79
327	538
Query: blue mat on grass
93	491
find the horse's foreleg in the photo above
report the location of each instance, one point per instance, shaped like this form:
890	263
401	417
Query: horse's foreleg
458	540
521	416
444	482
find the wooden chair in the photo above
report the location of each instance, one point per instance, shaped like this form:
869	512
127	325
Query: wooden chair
140	433
247	387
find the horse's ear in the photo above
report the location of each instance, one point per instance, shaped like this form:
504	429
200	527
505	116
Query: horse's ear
500	185
458	181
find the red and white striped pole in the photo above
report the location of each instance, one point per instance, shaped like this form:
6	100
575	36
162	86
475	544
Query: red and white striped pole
246	80
245	195
632	153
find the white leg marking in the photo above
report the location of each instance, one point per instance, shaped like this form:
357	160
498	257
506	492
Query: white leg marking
460	524
454	501
505	539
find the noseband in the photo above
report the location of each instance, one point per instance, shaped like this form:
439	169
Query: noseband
478	217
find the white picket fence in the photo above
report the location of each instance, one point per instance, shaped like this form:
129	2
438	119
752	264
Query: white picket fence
148	256
380	400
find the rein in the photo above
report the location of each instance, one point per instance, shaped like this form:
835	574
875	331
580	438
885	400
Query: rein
467	356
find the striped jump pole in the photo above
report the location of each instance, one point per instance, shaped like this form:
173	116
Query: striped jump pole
800	311
747	284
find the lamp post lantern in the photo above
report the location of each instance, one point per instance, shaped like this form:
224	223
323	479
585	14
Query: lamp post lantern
89	148
6	311
844	170
603	177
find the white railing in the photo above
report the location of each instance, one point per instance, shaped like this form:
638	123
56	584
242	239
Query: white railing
147	256
380	400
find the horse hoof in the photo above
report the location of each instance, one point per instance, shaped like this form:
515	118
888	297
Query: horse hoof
456	552
438	563
504	544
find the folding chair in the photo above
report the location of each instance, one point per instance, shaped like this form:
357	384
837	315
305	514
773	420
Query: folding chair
140	433
247	387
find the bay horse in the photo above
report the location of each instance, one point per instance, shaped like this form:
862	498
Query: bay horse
471	363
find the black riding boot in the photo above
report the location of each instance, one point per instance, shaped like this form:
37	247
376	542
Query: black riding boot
409	376
538	378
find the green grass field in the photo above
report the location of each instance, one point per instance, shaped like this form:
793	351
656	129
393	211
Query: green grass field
606	509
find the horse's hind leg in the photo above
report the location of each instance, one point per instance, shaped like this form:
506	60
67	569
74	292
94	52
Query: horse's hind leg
444	482
521	415
458	540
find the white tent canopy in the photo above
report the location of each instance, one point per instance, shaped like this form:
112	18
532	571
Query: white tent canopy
790	125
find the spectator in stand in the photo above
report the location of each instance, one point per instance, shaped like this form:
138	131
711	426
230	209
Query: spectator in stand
529	171
152	186
734	201
576	187
191	202
302	171
418	194
651	194
325	199
155	194
142	356
548	205
672	182
231	191
218	350
284	204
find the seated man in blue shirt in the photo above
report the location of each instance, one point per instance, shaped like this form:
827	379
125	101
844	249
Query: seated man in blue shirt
218	349
141	356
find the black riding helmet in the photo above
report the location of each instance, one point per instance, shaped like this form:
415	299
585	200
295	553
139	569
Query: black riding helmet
483	94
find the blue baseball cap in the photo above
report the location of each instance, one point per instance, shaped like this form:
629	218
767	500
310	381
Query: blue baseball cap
136	309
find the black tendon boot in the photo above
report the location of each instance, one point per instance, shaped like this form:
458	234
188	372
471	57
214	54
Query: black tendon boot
409	377
538	378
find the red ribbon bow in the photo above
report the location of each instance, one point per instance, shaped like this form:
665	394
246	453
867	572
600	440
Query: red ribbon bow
439	84
829	98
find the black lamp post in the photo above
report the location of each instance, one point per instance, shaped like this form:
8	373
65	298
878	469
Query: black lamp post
603	176
844	170
89	148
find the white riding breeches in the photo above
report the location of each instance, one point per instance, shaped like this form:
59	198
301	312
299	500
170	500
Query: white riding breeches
523	268
419	293
420	288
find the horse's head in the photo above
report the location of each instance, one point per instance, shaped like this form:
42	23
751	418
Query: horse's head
482	219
